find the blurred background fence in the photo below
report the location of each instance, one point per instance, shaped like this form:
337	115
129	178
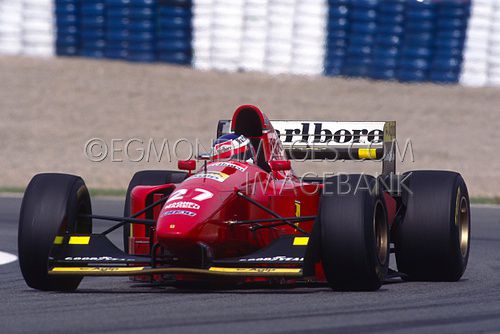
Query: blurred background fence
442	41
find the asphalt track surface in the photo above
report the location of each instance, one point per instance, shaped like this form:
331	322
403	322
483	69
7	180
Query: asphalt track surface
116	305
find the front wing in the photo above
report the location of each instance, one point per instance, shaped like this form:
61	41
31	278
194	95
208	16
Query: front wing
96	255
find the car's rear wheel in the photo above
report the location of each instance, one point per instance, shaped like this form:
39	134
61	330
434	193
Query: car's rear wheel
354	233
432	241
147	178
53	206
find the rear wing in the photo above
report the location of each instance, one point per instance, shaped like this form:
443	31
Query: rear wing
309	140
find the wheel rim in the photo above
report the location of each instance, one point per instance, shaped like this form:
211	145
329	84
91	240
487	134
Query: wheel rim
463	226
381	233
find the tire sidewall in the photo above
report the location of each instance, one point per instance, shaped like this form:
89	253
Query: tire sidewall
50	202
351	262
427	238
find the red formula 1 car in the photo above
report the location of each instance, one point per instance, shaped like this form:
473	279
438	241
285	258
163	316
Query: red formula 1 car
244	216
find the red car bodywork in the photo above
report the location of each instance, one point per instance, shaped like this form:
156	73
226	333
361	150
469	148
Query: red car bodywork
201	209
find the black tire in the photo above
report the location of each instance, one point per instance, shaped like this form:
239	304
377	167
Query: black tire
147	178
354	233
432	240
50	207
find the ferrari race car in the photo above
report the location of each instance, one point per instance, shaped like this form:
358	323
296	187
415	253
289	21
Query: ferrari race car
243	216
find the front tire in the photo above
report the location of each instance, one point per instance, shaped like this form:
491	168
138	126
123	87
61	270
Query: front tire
432	240
354	234
51	206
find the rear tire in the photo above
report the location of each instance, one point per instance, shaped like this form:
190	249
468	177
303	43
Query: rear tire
51	207
354	234
147	178
432	240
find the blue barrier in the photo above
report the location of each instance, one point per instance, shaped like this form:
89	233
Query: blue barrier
134	30
67	16
131	30
451	22
92	28
174	42
337	37
404	40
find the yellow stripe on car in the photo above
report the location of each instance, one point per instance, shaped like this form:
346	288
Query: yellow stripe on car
130	271
83	240
58	240
367	153
300	241
297	208
257	270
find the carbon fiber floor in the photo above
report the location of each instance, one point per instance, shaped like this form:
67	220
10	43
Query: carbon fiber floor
114	305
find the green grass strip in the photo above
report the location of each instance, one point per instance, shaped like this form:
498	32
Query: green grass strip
485	200
122	192
108	192
93	192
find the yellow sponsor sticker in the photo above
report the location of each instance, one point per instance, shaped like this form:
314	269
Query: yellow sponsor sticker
58	240
79	240
257	270
211	175
300	241
367	153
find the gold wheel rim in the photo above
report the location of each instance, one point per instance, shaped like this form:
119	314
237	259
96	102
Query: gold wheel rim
381	233
463	226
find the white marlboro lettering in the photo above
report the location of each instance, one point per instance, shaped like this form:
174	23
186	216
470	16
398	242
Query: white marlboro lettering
182	205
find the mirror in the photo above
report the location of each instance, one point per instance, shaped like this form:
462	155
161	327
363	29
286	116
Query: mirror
280	165
188	165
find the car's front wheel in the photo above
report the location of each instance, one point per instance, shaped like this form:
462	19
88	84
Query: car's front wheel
54	207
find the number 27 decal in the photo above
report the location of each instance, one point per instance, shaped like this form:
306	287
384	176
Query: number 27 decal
203	194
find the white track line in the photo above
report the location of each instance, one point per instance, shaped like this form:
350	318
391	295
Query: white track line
7	258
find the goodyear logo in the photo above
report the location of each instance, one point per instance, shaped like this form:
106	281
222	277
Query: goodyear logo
97	258
279	258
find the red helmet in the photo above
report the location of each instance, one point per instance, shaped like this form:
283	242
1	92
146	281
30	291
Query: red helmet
233	147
